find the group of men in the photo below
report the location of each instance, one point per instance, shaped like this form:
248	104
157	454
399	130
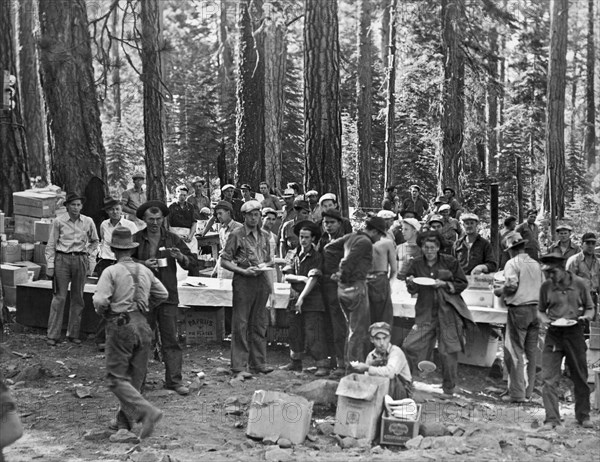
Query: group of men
340	283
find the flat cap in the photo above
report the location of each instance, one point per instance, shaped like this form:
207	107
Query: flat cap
250	206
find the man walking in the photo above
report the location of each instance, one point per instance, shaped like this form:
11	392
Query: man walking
126	292
247	253
160	250
70	257
523	280
352	284
565	304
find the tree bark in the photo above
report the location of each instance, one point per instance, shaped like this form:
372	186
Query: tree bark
590	102
322	123
390	110
13	149
153	99
492	106
364	104
34	115
554	195
385	30
275	70
116	69
75	131
250	108
453	106
573	159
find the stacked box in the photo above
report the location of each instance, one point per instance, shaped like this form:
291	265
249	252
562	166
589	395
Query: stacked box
41	230
30	267
11	276
35	203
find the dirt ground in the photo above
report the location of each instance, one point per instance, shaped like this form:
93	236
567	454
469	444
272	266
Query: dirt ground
45	382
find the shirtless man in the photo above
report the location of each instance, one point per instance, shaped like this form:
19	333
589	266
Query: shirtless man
383	272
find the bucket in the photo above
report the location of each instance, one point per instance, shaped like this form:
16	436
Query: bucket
27	252
11	252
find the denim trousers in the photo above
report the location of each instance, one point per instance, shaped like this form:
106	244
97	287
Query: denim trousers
67	269
568	343
520	346
307	336
354	300
335	323
164	317
380	299
249	322
127	352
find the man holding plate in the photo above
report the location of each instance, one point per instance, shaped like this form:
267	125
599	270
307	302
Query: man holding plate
566	305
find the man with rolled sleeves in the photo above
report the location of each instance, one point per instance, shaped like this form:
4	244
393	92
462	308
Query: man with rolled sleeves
566	306
155	245
246	253
352	284
70	257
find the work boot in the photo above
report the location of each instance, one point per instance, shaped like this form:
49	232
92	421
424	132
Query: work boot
149	420
321	372
295	365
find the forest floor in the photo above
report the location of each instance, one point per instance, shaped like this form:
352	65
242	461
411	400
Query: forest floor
45	382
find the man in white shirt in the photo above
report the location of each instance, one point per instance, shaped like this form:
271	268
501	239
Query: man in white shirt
269	218
523	279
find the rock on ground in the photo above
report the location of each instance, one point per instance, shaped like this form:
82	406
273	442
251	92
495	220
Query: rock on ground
320	391
124	436
279	455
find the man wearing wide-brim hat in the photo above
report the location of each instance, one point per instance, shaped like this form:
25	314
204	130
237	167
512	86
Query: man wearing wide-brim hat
521	292
161	251
565	244
586	265
134	197
123	298
70	256
247	254
565	305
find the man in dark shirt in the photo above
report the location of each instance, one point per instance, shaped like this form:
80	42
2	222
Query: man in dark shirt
389	201
228	191
335	321
247	254
415	202
565	244
474	253
352	284
530	232
566	305
160	250
288	241
182	221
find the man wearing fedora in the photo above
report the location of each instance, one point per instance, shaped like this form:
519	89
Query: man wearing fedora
307	334
452	201
352	283
127	291
521	291
586	265
247	253
70	255
566	306
134	197
199	199
106	257
157	245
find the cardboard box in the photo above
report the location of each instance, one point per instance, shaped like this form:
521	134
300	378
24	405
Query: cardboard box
24	227
39	253
279	415
204	324
359	406
396	431
34	203
481	347
30	267
10	295
593	363
41	231
481	281
13	275
10	253
474	297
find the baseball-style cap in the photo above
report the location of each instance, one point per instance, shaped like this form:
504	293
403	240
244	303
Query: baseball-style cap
413	222
380	328
444	207
563	226
288	192
386	214
327	197
246	186
312	192
268	210
225	205
182	187
588	237
226	187
250	206
436	218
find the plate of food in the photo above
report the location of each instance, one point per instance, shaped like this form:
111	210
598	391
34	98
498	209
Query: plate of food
424	281
563	322
426	366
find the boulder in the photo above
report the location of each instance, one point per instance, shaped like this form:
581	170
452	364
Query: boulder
348	442
320	391
325	428
433	429
284	443
414	443
279	455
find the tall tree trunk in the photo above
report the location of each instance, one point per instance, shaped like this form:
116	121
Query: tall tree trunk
492	107
573	155
275	70
322	122
554	193
501	94
34	115
153	99
453	105
390	110
590	102
226	100
250	108
116	70
385	30
76	150
13	149
364	84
